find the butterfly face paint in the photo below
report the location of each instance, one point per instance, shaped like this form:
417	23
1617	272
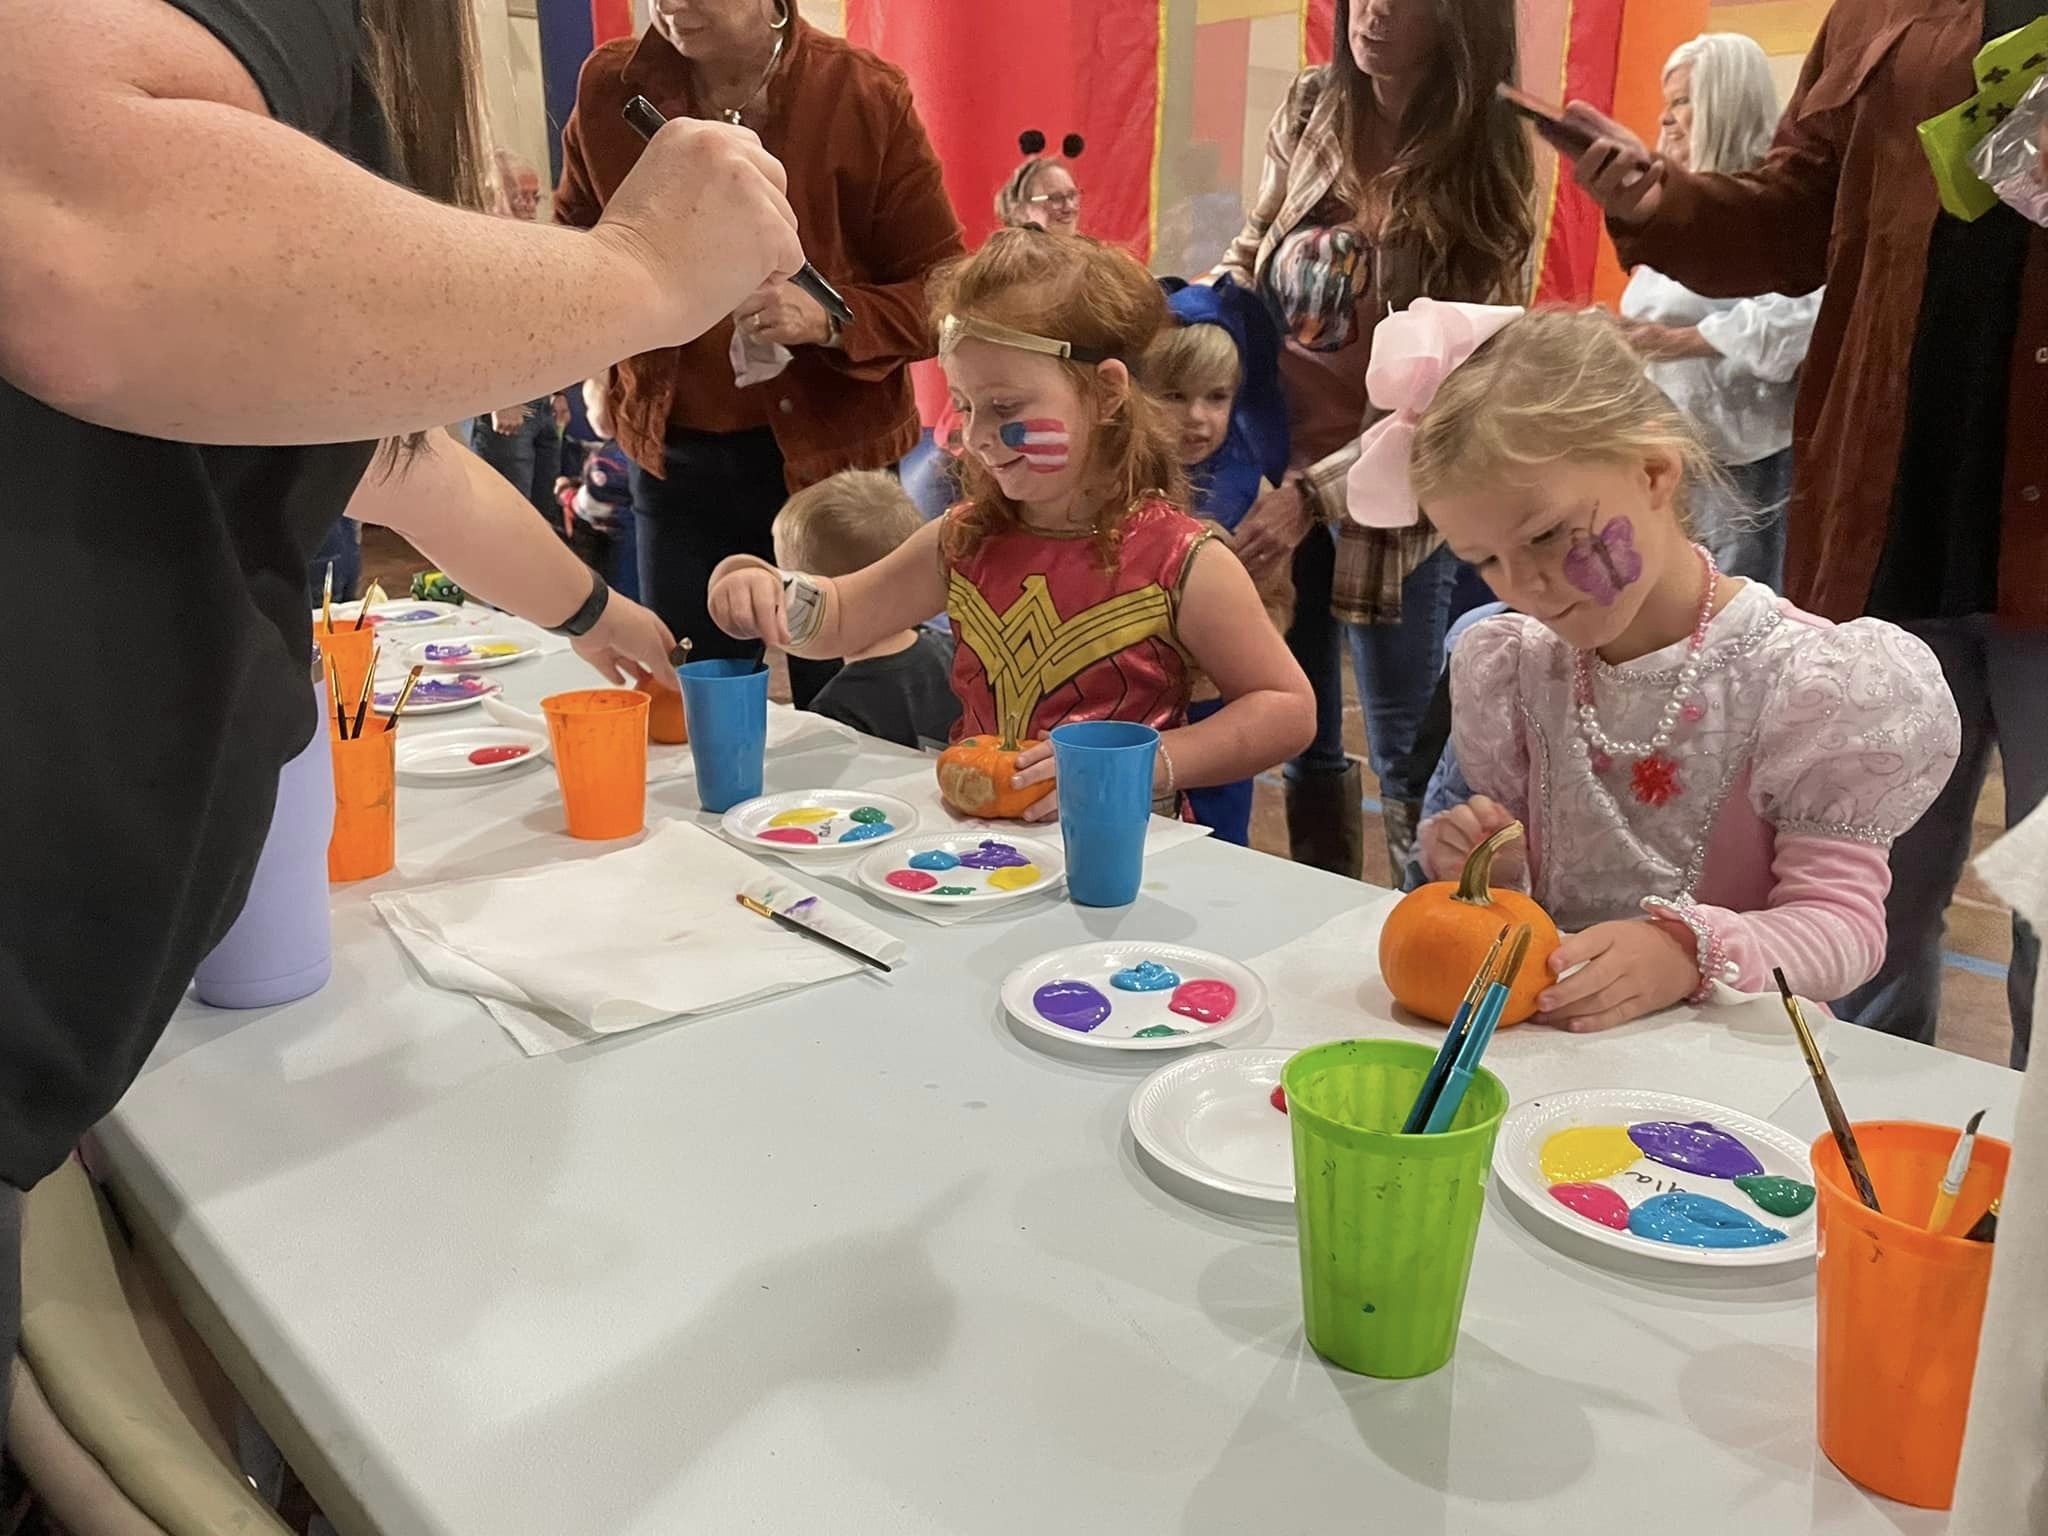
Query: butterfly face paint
1043	442
1601	564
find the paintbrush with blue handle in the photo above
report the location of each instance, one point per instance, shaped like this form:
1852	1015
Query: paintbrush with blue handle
1479	1036
1454	1038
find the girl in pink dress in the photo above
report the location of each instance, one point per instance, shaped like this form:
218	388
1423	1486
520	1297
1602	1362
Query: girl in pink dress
1709	777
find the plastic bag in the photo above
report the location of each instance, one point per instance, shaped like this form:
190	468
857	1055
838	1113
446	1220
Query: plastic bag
2012	159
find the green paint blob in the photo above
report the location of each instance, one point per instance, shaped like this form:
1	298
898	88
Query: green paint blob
868	815
956	890
1158	1032
1779	1196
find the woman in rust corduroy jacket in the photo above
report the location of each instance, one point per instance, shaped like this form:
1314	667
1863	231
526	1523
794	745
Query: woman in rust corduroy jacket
714	461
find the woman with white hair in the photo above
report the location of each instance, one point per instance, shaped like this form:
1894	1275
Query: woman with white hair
1732	364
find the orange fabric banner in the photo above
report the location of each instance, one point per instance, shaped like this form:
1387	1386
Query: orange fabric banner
1649	31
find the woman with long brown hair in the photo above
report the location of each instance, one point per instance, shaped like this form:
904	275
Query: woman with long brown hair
212	255
1391	172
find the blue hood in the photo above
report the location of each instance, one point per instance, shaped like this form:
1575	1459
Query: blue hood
1227	482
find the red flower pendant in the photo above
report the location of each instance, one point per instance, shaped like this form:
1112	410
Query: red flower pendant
1655	779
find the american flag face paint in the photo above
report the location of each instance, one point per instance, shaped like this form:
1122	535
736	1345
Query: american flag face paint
1043	442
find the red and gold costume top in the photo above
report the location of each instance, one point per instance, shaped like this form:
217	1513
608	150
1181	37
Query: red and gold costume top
1045	634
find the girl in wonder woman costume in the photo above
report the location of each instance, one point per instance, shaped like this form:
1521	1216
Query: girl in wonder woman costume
1077	586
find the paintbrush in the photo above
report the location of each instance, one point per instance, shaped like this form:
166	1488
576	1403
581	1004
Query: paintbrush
1838	1122
412	681
762	909
1454	1038
680	656
1480	1035
646	119
369	682
376	594
1985	1228
340	704
327	599
1958	1170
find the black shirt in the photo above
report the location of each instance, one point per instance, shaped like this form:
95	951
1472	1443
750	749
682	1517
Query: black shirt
906	698
1940	556
155	660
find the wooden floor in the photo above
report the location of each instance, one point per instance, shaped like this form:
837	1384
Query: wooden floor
1974	1019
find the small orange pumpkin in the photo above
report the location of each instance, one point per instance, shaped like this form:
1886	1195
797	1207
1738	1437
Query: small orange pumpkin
1437	937
977	777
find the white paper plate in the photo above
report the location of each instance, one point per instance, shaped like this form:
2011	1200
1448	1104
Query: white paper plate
1210	1118
981	887
1518	1160
830	816
470	653
1132	1013
398	614
444	756
436	695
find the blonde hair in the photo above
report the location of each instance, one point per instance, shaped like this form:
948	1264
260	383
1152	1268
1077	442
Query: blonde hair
845	523
1553	385
1074	289
1191	360
1734	100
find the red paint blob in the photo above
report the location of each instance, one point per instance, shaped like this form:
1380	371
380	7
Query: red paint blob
1209	1001
485	756
1595	1202
910	879
802	835
1279	1099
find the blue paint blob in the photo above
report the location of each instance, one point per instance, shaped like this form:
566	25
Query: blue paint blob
865	831
1072	1005
938	858
1145	976
1699	1221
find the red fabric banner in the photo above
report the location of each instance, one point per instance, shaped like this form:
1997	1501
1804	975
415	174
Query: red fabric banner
1318	30
610	19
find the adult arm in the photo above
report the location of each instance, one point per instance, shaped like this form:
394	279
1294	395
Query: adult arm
178	264
1766	336
468	520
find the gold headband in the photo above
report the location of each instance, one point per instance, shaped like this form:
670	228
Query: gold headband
955	329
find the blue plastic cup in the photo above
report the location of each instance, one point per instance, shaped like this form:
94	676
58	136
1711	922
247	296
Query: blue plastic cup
726	703
1105	779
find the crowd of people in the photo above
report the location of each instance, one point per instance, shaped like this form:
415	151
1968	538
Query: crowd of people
1763	551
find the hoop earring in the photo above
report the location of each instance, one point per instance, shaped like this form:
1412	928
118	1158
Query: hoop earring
783	24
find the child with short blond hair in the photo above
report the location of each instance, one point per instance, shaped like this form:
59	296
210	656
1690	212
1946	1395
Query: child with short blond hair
898	688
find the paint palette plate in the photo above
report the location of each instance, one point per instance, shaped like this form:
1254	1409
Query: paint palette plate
1611	1165
471	653
965	869
819	821
434	695
1211	1118
477	752
1171	996
396	615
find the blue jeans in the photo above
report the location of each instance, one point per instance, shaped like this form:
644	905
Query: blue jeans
530	458
344	547
1225	809
1745	530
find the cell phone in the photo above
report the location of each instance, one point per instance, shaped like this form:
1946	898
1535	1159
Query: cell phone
1567	138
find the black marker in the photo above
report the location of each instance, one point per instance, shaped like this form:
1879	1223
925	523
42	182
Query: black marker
645	119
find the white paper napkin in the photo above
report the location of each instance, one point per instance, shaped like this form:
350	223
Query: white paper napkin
575	951
1326	986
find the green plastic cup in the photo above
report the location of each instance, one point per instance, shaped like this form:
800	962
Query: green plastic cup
1387	1221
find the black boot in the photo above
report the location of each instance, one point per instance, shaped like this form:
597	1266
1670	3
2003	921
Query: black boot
1325	822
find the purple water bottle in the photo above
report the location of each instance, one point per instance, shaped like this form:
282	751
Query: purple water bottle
282	946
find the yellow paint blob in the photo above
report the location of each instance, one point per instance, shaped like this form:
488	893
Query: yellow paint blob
802	816
1014	879
1588	1152
499	649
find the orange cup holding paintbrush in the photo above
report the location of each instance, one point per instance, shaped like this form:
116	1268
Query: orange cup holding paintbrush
599	737
349	654
365	838
1899	1308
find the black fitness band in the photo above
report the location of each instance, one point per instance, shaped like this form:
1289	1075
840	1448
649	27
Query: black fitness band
584	619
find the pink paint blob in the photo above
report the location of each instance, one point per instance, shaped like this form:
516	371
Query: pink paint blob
483	757
800	835
910	880
1278	1099
1209	1001
1595	1202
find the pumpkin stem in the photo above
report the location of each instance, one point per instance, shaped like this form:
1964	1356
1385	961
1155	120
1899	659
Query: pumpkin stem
1477	876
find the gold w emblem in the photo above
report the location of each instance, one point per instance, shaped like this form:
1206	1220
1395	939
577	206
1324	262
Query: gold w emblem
1028	651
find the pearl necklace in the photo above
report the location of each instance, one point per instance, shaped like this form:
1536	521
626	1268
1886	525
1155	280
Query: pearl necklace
1655	777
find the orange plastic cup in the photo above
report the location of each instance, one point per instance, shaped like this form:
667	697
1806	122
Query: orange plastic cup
665	719
1900	1309
351	652
600	745
365	837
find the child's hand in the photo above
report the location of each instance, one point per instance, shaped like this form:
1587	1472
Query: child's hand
1626	969
1035	765
747	604
1447	839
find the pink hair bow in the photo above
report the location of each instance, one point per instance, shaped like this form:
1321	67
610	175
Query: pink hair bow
1413	352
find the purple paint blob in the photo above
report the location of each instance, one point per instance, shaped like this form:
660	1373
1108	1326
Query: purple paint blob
1698	1147
447	652
1072	1005
993	855
1210	1001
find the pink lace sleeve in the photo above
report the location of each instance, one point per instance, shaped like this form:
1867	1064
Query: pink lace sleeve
1859	737
1824	926
1486	718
